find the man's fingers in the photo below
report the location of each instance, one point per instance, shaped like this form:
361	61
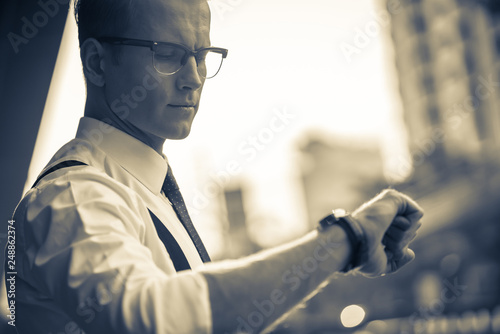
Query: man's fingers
393	244
410	209
401	222
395	233
387	206
400	229
407	256
396	261
406	206
387	262
390	222
399	235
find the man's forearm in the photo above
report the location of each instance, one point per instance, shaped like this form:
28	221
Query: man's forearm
250	293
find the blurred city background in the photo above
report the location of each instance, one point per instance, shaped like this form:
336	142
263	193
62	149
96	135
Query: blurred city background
320	105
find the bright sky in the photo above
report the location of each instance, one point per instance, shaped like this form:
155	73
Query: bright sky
285	73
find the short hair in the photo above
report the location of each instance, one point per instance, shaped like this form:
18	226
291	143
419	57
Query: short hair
97	18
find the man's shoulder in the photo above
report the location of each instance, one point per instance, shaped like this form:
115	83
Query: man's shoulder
78	171
77	149
75	198
76	161
80	175
72	192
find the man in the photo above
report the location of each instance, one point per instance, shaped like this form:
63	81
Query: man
104	243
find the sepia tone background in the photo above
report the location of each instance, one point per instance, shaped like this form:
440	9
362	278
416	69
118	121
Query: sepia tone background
320	104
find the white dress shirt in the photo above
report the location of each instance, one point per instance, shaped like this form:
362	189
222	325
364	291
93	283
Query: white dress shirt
88	257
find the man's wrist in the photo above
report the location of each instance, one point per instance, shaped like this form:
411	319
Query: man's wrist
355	235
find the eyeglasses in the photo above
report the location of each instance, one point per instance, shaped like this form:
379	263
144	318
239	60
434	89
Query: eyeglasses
169	58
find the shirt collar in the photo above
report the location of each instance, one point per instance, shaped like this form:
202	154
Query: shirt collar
137	158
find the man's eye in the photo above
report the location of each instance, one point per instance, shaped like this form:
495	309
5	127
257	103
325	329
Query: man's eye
167	52
165	56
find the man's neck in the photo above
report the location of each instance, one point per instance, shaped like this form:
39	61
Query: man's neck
106	115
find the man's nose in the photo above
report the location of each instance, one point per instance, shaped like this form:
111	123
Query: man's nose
189	78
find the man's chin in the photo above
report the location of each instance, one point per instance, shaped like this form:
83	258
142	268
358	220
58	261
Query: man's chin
178	138
179	135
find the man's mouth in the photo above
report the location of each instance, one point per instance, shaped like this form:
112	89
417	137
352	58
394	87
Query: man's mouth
181	105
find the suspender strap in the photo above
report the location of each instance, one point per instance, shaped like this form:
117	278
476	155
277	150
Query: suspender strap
67	163
171	245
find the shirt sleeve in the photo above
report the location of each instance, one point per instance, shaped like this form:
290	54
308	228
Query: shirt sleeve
81	244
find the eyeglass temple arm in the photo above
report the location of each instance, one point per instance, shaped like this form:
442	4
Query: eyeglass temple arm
126	41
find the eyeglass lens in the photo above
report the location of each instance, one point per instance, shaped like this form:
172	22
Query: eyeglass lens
168	60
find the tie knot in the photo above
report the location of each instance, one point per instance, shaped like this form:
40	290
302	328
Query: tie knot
170	183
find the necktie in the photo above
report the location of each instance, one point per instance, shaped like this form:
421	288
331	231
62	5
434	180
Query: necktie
171	190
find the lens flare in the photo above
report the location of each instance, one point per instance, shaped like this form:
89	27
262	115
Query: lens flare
352	316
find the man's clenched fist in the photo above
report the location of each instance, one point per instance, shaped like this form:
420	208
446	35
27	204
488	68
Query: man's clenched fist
390	222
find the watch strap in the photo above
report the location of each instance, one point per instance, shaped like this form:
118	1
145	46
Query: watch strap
354	233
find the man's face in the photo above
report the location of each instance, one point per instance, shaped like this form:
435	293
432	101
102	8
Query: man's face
159	106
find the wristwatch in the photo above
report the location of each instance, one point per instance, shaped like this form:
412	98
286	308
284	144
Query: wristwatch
354	232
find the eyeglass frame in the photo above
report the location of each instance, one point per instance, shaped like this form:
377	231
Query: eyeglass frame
153	45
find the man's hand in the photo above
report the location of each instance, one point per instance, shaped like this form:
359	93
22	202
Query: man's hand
390	222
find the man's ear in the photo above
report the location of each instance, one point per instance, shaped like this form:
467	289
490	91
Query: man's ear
92	54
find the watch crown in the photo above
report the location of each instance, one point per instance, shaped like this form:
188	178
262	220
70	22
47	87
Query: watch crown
339	213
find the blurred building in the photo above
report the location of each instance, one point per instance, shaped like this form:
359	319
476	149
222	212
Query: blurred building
448	68
447	57
338	172
237	239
